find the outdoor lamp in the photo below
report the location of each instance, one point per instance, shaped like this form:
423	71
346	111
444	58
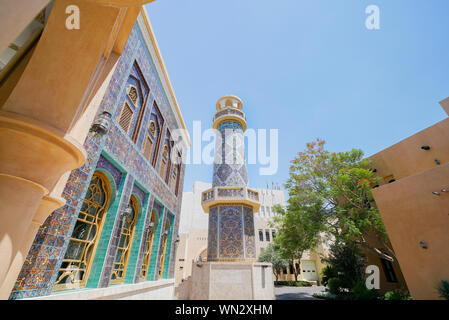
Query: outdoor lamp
423	244
101	125
437	161
151	225
425	148
177	238
436	193
165	232
127	212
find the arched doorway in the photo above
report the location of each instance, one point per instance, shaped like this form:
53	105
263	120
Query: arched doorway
125	242
76	264
148	247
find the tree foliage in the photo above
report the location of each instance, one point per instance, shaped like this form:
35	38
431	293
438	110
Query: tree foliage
296	233
330	193
272	254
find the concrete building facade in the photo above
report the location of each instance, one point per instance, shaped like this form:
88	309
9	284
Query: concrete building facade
413	199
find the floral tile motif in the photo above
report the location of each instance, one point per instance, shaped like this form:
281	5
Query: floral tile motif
212	234
231	232
250	245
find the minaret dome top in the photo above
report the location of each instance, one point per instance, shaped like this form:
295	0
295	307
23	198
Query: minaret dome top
229	101
229	108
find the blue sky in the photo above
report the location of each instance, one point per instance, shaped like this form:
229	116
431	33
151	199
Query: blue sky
309	68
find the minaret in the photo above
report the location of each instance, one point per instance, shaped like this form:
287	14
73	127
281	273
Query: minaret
230	203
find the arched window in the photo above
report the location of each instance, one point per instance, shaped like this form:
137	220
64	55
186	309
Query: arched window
164	248
128	226
164	169
75	266
175	173
153	136
148	246
131	114
152	139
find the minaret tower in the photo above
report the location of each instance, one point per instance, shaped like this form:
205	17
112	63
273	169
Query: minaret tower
230	203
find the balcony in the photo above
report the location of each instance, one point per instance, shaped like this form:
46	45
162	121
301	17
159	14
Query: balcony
231	114
230	195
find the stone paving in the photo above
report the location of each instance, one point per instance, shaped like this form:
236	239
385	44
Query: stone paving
297	293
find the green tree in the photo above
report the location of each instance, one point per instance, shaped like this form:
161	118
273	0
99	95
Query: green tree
272	255
332	193
296	233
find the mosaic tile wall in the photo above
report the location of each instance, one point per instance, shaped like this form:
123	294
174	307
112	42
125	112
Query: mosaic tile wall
212	238
250	242
117	155
229	163
231	233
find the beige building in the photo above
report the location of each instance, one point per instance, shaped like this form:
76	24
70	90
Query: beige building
413	200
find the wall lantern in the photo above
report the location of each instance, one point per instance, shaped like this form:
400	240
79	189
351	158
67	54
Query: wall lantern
425	148
423	245
373	170
151	225
177	238
101	125
437	161
165	232
127	213
436	193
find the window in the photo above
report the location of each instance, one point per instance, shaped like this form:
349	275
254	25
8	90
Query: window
267	235
165	166
124	247
153	136
175	176
77	260
260	235
268	212
148	246
262	211
164	248
389	271
126	117
273	234
133	105
290	267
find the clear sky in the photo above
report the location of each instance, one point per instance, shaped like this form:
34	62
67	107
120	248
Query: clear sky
309	68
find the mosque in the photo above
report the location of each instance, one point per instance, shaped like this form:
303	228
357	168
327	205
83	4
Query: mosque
91	142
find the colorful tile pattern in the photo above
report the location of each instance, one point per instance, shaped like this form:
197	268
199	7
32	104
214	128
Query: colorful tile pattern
122	159
250	244
212	237
231	232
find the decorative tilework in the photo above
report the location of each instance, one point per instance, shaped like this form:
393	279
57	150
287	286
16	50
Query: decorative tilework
212	234
103	163
229	163
250	245
39	271
231	229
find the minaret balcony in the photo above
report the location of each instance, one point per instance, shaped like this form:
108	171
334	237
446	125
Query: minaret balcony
230	195
231	114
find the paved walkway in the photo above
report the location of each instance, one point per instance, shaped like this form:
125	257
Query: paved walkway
296	293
